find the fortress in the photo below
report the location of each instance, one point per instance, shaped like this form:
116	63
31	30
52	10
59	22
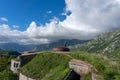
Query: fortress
77	67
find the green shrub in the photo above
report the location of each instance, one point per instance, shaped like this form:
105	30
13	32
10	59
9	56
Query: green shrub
7	76
87	76
110	73
117	77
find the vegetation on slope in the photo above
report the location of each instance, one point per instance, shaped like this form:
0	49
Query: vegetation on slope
51	66
7	75
4	63
5	59
105	68
9	53
107	44
47	66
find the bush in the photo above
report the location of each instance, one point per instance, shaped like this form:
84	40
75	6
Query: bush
117	77
110	73
87	77
7	76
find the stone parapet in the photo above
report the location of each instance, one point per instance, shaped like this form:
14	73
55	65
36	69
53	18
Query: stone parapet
23	77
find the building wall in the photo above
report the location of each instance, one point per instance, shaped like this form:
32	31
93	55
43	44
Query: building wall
23	77
26	58
80	67
15	65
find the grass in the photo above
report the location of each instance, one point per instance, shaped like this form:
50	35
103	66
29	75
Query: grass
5	62
5	59
103	65
9	53
47	66
51	66
7	76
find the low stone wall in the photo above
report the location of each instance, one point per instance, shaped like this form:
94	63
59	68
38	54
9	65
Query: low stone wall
23	77
80	67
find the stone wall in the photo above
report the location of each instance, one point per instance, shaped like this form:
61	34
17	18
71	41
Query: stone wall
15	65
21	61
23	77
26	58
80	67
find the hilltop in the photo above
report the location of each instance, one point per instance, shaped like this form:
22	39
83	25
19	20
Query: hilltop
47	66
54	66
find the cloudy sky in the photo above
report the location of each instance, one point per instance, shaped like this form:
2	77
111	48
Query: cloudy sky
43	21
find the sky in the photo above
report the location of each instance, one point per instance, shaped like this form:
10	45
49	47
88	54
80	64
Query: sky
23	12
42	21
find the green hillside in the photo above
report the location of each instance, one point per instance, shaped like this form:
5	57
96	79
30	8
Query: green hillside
53	66
107	44
9	53
106	69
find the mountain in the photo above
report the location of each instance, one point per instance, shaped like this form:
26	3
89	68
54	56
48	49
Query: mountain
40	47
61	42
107	43
16	47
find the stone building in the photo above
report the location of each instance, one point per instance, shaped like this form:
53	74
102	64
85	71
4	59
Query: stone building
23	77
22	60
15	65
61	49
80	67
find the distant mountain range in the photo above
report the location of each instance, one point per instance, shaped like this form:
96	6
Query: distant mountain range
16	47
40	47
61	42
107	43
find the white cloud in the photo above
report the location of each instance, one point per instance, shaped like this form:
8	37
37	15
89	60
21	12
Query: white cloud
49	12
15	26
118	1
4	19
92	15
88	18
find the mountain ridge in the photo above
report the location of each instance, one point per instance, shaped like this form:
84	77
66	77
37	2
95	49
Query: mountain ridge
61	42
107	43
40	47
